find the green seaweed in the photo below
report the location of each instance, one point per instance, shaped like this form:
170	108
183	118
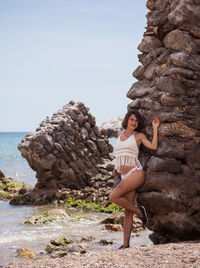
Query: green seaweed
51	219
81	217
2	186
4	194
97	206
66	240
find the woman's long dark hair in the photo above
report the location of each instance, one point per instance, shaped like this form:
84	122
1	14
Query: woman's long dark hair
138	116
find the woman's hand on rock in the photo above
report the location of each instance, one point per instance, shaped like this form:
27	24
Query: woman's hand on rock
156	122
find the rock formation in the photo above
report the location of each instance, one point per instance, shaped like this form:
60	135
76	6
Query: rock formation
69	153
10	189
112	127
169	86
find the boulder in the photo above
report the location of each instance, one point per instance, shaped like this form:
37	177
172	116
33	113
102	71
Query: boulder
67	151
168	87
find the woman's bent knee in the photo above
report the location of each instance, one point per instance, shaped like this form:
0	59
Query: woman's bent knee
113	197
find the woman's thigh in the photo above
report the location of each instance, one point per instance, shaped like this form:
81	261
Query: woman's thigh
130	183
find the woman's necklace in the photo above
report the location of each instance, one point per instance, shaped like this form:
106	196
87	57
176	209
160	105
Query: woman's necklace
126	134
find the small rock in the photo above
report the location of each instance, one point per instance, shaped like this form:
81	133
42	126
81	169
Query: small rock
26	253
192	259
87	238
112	227
58	254
106	242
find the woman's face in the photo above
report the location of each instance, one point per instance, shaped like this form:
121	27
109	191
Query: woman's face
132	122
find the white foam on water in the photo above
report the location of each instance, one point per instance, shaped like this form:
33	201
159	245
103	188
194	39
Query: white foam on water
24	236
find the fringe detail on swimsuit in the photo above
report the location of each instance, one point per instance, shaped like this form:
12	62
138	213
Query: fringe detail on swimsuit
128	161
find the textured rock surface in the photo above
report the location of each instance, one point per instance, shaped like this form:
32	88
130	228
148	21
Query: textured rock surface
26	253
70	155
10	188
52	215
169	86
112	127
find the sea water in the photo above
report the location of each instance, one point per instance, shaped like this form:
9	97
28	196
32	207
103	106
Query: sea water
12	164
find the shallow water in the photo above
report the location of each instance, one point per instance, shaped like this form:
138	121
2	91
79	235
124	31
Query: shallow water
14	234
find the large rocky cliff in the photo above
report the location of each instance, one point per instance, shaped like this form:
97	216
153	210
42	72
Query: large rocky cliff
169	86
70	156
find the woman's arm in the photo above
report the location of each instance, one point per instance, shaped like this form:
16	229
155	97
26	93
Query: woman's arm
116	174
153	145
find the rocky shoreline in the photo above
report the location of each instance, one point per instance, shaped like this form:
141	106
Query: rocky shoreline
73	241
179	255
10	189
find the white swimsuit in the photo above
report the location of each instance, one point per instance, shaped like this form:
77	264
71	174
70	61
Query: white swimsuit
127	155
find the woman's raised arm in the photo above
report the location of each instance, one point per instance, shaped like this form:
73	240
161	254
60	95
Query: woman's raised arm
153	145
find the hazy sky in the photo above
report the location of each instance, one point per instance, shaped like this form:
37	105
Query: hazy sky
52	52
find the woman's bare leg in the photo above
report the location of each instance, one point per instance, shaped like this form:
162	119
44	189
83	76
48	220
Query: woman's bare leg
130	183
128	219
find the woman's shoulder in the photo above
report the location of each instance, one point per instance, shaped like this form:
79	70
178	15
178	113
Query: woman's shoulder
139	135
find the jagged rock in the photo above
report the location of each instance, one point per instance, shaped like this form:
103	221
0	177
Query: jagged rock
112	127
67	151
148	42
185	16
168	87
179	40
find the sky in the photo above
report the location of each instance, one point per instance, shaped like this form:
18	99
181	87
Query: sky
52	52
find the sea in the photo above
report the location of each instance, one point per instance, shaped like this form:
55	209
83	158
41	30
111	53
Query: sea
12	164
14	234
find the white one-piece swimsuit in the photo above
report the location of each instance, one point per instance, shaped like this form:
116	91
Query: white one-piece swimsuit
127	155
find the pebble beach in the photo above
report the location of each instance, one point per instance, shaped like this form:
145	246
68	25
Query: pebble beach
172	255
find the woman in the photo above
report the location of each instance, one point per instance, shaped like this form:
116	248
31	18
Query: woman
129	168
